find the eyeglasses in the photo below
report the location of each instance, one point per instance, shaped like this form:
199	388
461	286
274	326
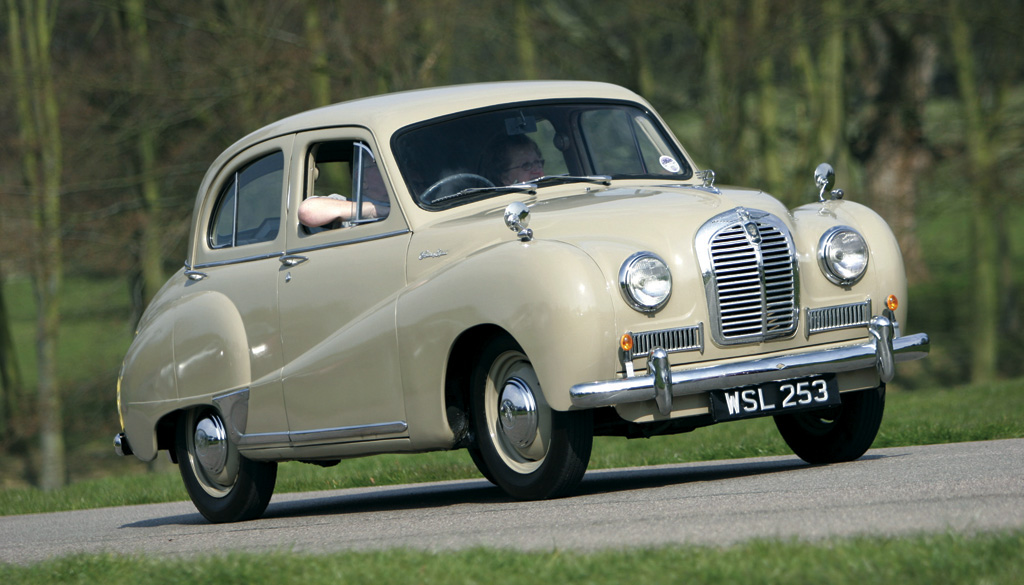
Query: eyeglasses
536	164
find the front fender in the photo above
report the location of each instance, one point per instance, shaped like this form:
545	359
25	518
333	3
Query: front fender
190	349
550	296
886	273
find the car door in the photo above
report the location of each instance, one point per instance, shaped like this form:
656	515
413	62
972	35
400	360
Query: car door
338	288
236	261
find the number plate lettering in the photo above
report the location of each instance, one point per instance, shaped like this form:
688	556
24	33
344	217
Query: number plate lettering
774	398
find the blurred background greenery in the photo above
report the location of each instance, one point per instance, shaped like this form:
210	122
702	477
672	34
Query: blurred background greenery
114	108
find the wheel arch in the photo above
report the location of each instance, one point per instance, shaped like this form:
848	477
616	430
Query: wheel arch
464	356
550	296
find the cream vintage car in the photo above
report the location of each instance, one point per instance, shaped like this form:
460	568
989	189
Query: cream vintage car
527	265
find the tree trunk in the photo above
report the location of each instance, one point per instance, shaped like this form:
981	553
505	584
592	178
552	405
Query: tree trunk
11	409
525	49
891	141
150	244
767	107
30	34
320	78
985	221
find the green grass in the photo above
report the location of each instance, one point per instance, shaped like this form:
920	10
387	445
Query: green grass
924	560
919	417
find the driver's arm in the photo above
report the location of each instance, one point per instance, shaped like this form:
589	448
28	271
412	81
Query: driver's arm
319	211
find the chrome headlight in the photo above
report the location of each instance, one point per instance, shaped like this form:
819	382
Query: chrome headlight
843	255
645	282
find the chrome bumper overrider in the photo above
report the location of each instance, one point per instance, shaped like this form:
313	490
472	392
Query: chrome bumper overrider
661	384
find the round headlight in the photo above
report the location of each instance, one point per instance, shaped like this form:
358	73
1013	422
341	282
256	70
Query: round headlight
843	255
645	281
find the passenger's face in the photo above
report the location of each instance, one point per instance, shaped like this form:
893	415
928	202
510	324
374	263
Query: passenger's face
524	165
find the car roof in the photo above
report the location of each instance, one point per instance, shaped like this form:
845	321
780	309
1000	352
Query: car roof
384	114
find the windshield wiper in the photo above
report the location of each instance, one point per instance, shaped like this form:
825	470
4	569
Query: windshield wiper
547	180
517	188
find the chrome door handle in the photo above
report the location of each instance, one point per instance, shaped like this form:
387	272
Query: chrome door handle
195	275
293	259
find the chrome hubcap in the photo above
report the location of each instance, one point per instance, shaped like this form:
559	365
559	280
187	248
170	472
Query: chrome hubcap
211	445
517	413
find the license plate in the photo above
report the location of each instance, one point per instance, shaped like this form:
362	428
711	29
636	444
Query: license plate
774	398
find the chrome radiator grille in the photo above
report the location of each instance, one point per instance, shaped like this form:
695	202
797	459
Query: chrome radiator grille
750	277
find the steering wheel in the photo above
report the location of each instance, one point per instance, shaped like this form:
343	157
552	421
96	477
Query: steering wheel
449	183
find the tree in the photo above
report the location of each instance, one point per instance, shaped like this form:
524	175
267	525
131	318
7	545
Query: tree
30	32
150	244
10	377
985	216
896	61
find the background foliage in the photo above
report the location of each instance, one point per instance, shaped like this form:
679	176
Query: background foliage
919	105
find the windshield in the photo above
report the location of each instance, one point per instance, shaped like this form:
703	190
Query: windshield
481	154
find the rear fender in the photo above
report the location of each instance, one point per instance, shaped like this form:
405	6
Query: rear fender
193	348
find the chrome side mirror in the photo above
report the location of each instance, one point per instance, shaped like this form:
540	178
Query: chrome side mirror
517	217
824	180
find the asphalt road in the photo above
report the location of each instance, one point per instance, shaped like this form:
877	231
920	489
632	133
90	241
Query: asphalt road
965	487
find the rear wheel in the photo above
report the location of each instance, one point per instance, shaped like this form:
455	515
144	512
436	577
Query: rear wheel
223	485
529	450
843	433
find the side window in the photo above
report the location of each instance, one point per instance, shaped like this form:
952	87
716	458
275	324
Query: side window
248	210
346	181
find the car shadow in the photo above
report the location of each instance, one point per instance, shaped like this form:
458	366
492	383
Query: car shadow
596	482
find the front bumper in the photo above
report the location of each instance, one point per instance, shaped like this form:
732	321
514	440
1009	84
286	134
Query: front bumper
662	384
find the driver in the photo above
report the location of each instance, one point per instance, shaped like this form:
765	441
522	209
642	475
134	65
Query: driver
513	159
317	210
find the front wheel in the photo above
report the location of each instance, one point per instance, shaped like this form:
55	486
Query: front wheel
843	433
223	485
529	450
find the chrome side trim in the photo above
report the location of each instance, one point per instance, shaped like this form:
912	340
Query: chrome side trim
360	432
838	317
236	260
305	249
882	351
321	436
234	408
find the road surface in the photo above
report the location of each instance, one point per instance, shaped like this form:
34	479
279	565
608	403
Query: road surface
965	487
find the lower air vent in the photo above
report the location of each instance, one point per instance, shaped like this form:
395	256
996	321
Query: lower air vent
838	317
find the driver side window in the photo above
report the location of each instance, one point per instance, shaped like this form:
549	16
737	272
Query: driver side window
344	187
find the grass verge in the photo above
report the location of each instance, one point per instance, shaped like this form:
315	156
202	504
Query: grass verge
924	560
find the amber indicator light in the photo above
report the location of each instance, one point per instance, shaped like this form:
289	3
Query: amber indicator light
892	302
626	342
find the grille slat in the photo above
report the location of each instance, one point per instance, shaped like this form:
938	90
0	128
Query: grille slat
752	289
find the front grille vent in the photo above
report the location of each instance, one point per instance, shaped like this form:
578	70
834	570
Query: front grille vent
671	340
838	317
750	277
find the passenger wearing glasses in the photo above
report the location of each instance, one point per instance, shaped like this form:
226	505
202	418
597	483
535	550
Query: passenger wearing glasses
513	159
